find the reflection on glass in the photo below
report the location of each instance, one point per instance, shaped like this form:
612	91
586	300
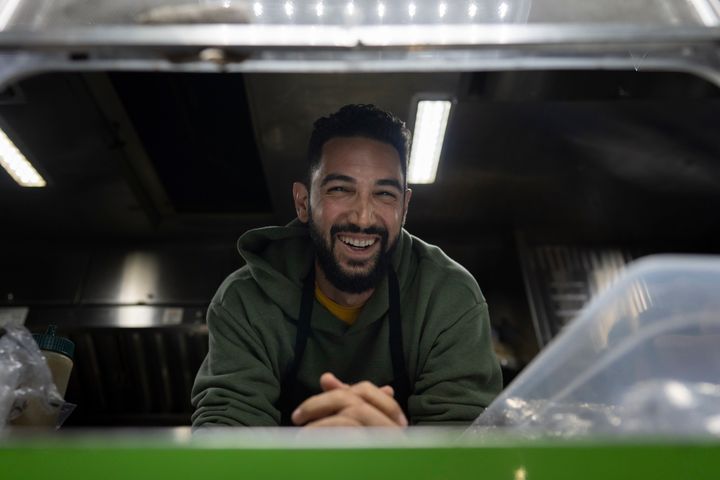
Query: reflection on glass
708	13
503	9
472	10
7	12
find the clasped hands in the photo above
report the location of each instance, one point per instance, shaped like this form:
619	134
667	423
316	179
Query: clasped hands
341	405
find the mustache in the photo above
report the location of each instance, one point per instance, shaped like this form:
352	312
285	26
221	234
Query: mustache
352	228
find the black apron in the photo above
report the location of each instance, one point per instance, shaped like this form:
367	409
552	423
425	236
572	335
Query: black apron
291	390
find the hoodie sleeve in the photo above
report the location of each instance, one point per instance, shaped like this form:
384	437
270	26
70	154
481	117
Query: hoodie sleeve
461	375
235	384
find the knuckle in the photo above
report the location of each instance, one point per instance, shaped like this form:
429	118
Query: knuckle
395	407
368	408
365	386
353	411
365	409
339	394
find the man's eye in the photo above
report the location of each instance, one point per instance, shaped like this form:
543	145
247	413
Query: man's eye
337	189
386	194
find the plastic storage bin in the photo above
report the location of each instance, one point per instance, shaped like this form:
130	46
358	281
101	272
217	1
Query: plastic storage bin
642	358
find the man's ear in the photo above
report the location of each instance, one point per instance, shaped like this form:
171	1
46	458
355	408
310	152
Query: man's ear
408	194
301	197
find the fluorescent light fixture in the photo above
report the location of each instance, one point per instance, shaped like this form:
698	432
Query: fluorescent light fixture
258	9
17	165
430	124
412	9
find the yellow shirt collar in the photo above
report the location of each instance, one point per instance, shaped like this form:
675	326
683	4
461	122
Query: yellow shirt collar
346	314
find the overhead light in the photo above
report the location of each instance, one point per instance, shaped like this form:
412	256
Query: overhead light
472	10
17	165
430	124
503	9
258	9
381	10
412	9
442	9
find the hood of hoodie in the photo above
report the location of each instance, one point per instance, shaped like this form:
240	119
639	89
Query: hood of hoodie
280	258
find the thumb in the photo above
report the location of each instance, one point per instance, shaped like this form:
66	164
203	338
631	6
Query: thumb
328	382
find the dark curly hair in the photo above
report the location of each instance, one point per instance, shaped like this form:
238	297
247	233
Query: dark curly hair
359	121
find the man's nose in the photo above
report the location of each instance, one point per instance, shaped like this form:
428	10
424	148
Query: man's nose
363	214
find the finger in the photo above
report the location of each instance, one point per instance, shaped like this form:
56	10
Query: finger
367	415
381	401
335	421
328	382
388	390
324	405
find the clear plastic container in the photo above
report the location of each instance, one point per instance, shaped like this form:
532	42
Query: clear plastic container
642	358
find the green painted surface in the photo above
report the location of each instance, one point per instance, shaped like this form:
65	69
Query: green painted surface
102	459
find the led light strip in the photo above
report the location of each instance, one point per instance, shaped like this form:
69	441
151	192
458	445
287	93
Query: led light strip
17	165
430	124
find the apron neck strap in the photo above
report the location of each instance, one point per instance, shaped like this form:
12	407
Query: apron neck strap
401	382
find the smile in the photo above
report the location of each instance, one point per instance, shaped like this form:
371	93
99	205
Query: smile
357	242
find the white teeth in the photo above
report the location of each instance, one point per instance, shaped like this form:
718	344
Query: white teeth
357	243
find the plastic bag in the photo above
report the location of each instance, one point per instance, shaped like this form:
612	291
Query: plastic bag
658	407
25	378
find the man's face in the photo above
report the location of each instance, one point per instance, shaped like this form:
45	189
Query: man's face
355	210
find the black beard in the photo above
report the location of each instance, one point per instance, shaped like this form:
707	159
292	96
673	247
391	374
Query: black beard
349	282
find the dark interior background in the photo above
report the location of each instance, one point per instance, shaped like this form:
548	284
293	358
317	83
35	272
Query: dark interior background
152	177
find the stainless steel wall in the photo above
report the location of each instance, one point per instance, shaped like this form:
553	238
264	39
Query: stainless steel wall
135	313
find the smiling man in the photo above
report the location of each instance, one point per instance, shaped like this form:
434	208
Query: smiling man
342	318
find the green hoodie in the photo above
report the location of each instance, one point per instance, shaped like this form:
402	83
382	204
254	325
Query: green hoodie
251	321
